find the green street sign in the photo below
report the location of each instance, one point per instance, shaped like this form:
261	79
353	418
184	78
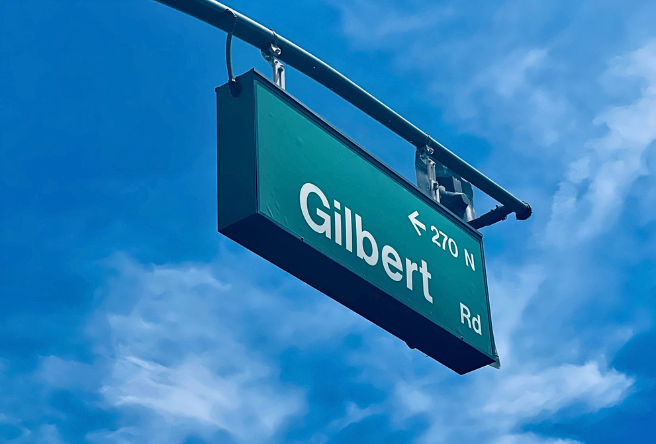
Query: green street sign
299	193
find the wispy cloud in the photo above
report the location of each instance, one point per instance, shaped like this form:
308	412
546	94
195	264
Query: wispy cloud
175	346
497	406
384	28
229	385
548	391
178	350
590	199
531	438
244	402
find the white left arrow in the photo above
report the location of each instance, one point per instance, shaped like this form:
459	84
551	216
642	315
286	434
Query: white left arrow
416	223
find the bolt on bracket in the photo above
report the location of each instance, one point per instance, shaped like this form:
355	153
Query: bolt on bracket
271	54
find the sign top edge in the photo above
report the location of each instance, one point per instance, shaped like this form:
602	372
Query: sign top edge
256	76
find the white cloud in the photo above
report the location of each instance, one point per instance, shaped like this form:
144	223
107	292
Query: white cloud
246	402
412	399
353	415
382	27
510	74
529	395
177	349
530	438
41	434
484	80
497	404
503	93
512	289
591	198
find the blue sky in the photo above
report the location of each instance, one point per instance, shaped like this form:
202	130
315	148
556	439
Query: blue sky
126	318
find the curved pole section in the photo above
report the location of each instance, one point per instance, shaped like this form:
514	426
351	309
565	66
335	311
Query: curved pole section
220	16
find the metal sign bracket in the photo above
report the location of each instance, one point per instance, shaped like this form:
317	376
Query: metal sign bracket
443	185
271	54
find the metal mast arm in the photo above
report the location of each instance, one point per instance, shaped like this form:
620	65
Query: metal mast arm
216	14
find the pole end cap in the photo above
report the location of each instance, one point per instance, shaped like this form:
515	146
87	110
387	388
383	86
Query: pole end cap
523	215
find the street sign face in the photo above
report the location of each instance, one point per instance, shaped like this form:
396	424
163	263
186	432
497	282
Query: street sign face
299	193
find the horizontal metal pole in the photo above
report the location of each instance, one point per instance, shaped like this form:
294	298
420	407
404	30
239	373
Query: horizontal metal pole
217	15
